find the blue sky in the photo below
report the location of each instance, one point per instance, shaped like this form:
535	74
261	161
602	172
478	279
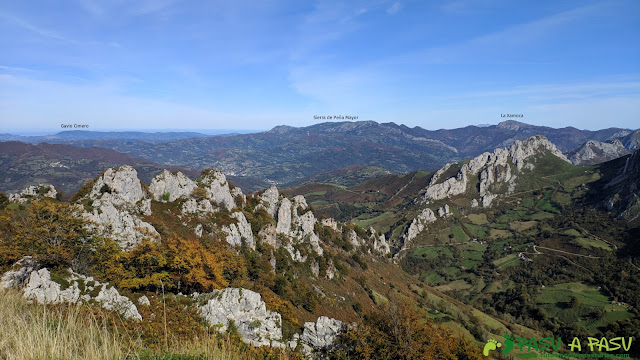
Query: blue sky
168	64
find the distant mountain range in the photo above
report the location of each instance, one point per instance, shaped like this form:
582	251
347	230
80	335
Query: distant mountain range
64	166
291	155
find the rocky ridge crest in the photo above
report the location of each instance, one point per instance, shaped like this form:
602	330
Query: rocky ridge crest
595	152
496	172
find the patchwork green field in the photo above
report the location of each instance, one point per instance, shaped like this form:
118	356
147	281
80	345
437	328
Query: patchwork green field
581	302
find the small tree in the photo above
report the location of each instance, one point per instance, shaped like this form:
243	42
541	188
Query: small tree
52	234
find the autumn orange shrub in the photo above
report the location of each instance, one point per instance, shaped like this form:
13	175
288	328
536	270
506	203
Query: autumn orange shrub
398	332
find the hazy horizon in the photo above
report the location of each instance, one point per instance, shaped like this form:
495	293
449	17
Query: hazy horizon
213	132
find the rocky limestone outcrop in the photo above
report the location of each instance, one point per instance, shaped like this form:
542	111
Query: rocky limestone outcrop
110	299
18	277
295	221
380	243
44	291
217	188
239	231
444	211
283	225
497	173
256	325
269	199
436	176
450	187
119	186
170	187
332	223
632	141
34	192
37	285
623	191
202	207
596	152
323	333
418	224
493	170
144	301
116	199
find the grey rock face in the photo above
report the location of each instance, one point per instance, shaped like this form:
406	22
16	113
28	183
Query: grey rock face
144	301
380	243
452	186
110	299
492	168
623	191
120	223
322	333
256	325
217	189
176	186
444	211
332	223
269	199
42	289
284	217
201	207
18	277
418	225
118	186
117	199
241	229
30	192
595	152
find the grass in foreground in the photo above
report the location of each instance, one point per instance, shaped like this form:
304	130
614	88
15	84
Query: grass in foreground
32	331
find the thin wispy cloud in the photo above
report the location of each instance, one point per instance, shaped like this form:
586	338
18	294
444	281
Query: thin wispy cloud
510	41
12	19
395	8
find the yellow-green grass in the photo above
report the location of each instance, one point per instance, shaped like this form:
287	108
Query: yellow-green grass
573	232
471	254
522	225
32	331
495	326
37	332
590	243
493	287
554	300
562	198
454	285
478	219
470	263
432	278
579	180
498	233
528	202
374	220
545	202
513	215
476	231
432	252
505	259
452	234
378	298
541	216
